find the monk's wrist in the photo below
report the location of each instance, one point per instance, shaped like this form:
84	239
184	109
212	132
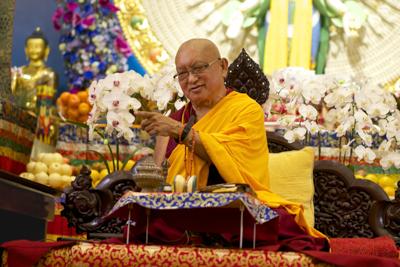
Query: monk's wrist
177	131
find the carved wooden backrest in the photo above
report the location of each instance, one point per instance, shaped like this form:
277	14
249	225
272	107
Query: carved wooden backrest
246	76
345	206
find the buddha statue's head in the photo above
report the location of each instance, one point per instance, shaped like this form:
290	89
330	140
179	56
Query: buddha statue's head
36	47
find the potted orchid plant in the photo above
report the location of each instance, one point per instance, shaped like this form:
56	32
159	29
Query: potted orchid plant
357	113
117	96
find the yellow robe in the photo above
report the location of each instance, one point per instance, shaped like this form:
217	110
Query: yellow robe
233	135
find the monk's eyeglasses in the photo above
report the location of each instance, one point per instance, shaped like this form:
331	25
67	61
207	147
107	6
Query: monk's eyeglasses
195	70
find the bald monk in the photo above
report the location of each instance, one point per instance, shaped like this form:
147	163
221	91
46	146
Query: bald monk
219	136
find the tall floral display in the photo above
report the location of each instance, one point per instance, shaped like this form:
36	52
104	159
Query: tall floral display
348	119
91	41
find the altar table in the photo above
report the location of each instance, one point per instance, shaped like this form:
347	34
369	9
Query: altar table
232	211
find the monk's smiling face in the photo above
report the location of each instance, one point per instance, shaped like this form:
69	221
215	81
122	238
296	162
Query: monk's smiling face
201	71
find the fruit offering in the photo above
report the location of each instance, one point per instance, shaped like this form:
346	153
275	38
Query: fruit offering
388	182
74	107
50	169
99	169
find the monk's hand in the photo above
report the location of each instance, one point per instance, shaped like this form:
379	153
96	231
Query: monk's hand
157	124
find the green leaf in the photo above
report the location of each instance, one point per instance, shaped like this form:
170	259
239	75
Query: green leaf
128	158
249	21
102	158
337	22
79	124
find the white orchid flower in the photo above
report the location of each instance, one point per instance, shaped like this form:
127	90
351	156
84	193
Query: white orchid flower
93	115
117	100
115	81
132	79
382	126
287	120
385	145
179	104
295	134
93	92
313	90
367	138
362	99
362	119
393	128
312	127
331	99
347	146
364	153
120	122
377	110
344	126
308	112
331	116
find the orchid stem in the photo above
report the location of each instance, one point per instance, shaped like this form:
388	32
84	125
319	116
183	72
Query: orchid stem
117	152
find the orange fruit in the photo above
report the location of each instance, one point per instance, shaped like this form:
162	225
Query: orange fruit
84	108
83	118
65	98
73	101
83	96
72	113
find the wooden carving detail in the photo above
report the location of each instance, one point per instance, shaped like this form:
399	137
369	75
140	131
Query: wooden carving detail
340	212
246	76
391	219
276	143
389	211
81	203
343	204
84	206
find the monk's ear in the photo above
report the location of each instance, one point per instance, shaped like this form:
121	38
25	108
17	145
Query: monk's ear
224	66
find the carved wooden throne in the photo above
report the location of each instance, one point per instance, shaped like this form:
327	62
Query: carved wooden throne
344	206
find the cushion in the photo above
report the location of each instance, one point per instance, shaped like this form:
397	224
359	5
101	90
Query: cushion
291	176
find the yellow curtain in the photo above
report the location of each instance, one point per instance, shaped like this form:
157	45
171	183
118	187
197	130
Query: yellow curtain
302	35
276	51
276	45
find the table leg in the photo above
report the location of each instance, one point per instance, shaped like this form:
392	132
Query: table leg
254	235
147	225
129	226
241	225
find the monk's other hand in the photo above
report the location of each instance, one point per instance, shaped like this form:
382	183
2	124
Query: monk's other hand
157	124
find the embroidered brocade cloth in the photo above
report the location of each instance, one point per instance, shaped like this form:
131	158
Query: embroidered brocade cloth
260	212
17	131
95	254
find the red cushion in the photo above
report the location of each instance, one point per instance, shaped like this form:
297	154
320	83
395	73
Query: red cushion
382	246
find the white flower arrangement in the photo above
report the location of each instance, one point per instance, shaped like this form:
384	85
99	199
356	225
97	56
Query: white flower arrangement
355	111
117	95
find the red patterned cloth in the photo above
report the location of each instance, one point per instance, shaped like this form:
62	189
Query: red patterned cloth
22	253
25	253
382	246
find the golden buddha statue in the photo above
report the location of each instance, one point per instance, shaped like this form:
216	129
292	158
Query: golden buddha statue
34	83
33	87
